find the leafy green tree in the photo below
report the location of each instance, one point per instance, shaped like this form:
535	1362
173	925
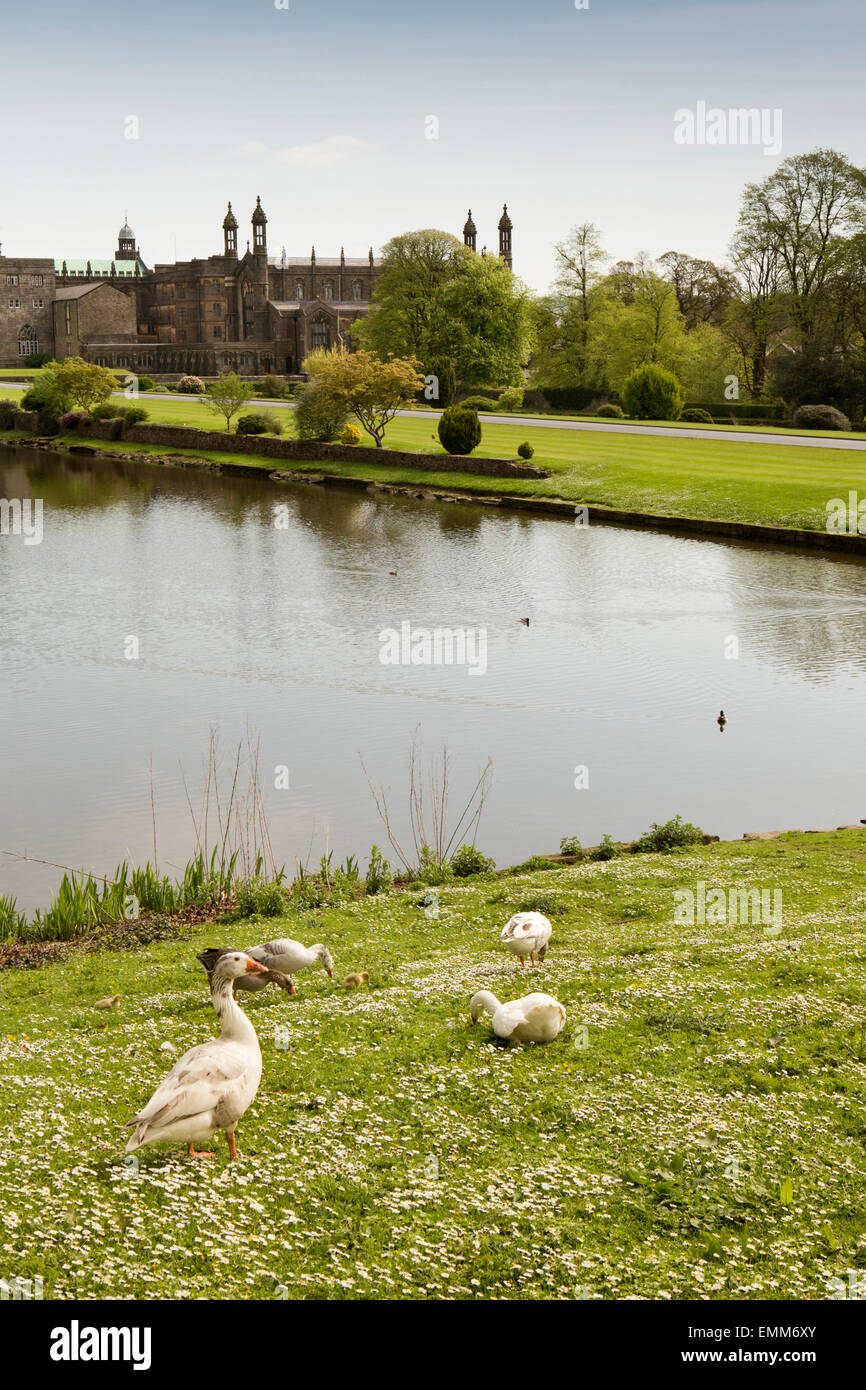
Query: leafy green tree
72	382
436	298
652	393
318	416
361	384
444	381
225	396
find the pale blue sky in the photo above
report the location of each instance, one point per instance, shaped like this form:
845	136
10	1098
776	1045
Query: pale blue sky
567	114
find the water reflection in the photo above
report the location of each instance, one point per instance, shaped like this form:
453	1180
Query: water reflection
622	668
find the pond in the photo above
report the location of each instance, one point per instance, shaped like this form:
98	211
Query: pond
323	620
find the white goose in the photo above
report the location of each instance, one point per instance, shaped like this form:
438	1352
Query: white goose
535	1018
527	934
290	956
212	1085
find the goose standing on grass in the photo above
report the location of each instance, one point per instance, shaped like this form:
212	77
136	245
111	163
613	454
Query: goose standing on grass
535	1018
527	934
255	981
290	956
212	1085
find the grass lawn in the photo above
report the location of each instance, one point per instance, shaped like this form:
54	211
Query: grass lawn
706	1142
774	484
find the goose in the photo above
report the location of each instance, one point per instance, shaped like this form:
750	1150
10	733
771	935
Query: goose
253	982
108	1003
527	934
211	1086
535	1018
355	980
290	956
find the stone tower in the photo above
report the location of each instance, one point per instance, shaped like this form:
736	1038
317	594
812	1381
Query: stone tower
126	247
505	226
260	235
470	233
230	234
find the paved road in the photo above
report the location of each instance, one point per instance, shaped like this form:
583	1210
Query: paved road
803	441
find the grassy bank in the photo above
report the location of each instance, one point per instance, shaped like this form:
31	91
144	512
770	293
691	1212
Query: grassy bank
769	484
708	1141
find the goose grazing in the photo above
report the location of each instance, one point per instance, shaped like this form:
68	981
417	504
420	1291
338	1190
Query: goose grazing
290	956
253	982
210	1087
535	1018
527	934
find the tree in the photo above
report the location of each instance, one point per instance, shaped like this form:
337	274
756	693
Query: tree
317	416
652	393
366	387
436	298
69	383
444	382
579	272
703	289
805	211
225	396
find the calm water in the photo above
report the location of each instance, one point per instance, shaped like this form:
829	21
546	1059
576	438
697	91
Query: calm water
622	669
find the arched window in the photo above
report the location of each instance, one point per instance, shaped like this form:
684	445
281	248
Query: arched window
27	341
328	290
321	334
357	289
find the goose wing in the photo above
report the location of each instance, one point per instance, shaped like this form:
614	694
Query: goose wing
531	928
276	955
195	1085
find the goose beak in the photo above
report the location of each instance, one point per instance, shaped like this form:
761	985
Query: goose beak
253	967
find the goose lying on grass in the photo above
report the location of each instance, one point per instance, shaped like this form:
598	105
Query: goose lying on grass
356	980
527	934
290	956
255	981
210	1087
535	1018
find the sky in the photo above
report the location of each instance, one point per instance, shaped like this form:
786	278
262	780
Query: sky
164	112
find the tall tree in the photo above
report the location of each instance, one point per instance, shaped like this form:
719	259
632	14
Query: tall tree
703	289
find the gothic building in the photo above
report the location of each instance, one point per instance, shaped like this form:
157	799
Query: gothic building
249	312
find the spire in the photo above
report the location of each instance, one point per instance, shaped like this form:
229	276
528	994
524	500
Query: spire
313	256
259	221
505	227
230	233
470	233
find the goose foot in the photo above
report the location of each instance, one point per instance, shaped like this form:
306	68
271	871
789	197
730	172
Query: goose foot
198	1153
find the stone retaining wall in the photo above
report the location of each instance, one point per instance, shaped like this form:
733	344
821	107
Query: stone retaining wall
272	446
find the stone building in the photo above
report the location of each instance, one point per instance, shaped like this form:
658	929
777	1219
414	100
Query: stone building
27	289
249	312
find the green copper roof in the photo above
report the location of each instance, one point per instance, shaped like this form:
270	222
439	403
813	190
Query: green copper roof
118	268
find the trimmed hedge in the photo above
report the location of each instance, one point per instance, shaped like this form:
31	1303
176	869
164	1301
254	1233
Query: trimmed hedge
821	417
459	430
572	397
740	410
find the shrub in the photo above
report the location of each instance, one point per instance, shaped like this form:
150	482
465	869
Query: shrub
607	849
442	368
741	410
672	835
652	392
379	875
525	450
351	435
696	415
252	424
459	430
38	359
469	860
570	397
609	411
570	845
275	388
262	896
511	398
106	410
317	416
429	870
146	383
532	865
7	415
821	417
477	403
190	386
131	415
48	421
72	419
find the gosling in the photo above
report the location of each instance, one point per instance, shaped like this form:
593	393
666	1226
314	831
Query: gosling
108	1003
355	981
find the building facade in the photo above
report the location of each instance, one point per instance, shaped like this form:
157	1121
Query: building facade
248	312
